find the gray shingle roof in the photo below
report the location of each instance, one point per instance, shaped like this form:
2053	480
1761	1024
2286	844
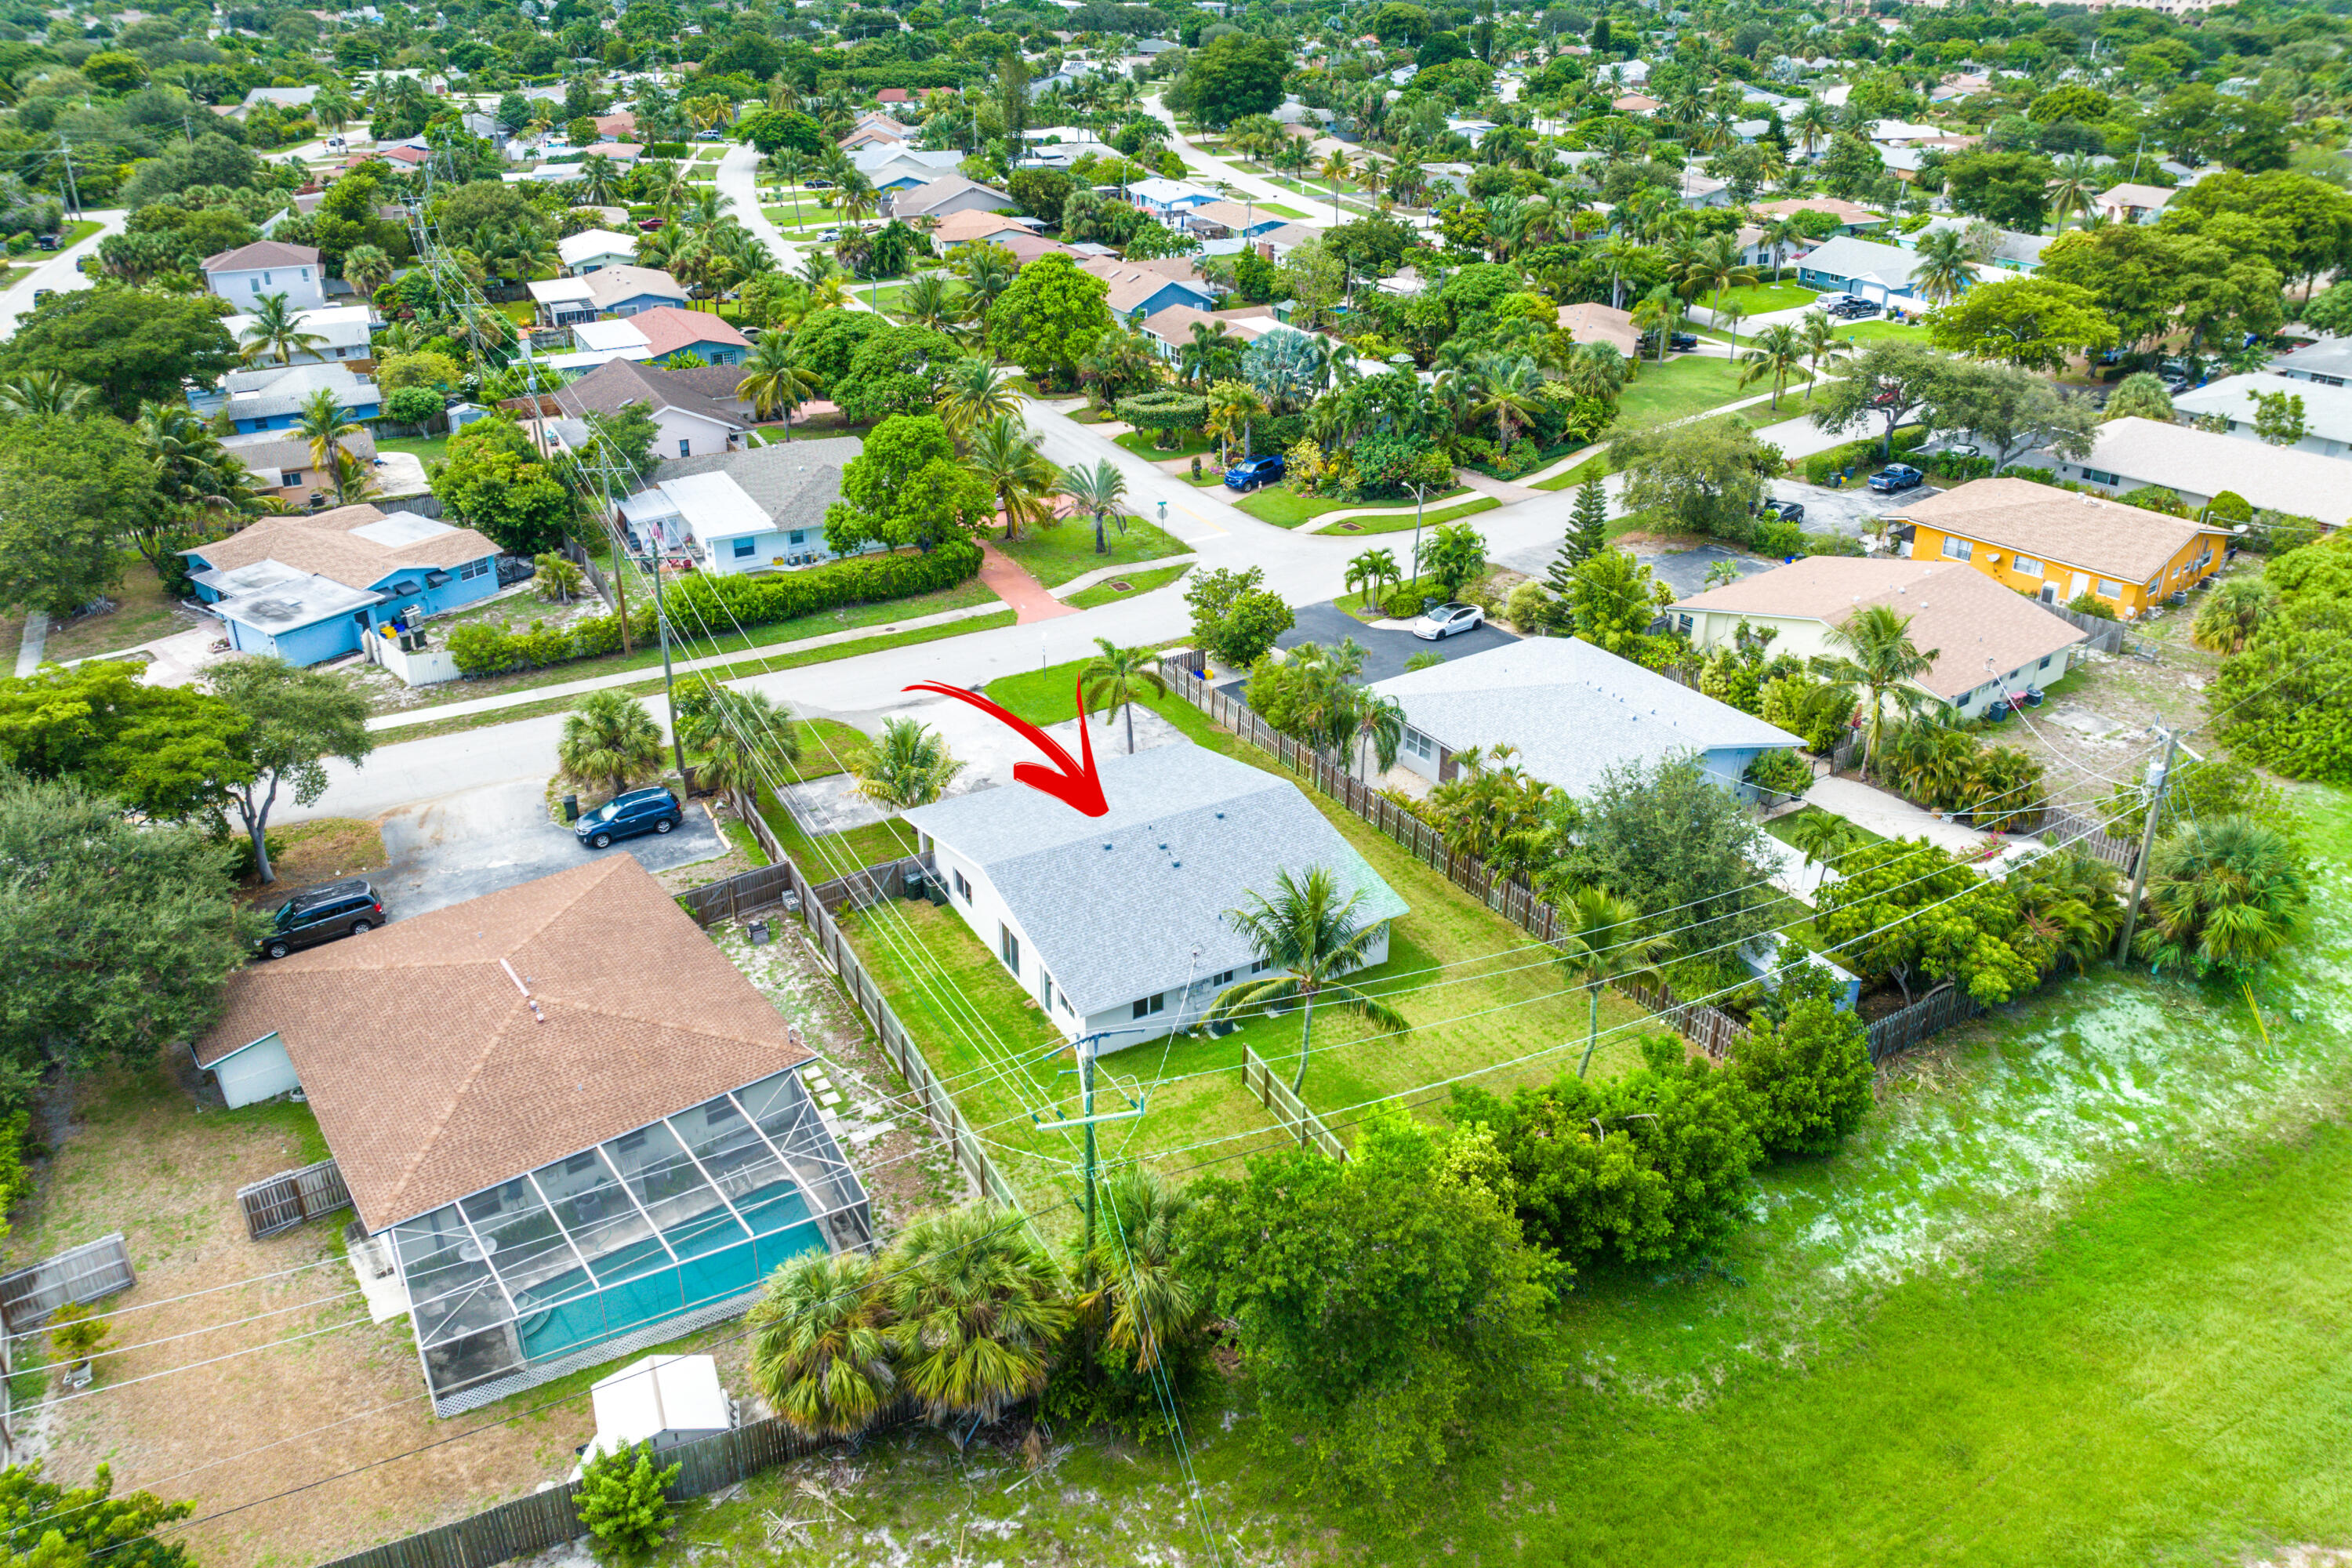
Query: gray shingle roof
1572	709
791	482
1114	905
614	384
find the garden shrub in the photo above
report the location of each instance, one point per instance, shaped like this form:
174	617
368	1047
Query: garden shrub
719	604
1402	604
1828	545
621	1502
1808	1075
1782	772
2089	603
1777	538
1164	412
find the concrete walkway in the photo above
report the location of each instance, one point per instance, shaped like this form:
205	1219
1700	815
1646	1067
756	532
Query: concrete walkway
1504	490
1890	815
1011	582
37	638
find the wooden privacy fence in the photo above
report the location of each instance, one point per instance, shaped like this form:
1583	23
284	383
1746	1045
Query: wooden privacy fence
551	1518
74	1277
1276	1096
289	1198
2101	634
1711	1029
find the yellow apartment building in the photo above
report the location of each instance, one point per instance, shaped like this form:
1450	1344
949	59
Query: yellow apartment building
2055	545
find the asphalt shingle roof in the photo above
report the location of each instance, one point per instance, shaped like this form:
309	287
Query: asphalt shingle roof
792	481
1114	905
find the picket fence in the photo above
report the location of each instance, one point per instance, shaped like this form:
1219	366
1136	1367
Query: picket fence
1297	1117
289	1198
551	1518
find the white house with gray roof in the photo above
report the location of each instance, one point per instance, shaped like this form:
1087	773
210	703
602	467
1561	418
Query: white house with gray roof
1116	924
1573	711
756	511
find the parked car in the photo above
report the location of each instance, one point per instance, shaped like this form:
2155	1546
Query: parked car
41	297
629	814
1786	510
1446	620
1681	342
1251	472
46	241
350	908
708	136
1896	477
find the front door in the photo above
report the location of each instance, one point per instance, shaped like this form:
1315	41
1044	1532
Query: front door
2080	586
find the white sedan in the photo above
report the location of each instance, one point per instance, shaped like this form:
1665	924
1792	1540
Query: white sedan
1445	620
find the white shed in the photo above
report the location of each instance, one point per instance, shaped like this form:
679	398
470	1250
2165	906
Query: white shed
666	1400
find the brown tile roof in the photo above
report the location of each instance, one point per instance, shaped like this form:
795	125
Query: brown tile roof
1595	323
957	227
1844	212
1961	613
429	1072
323	542
2120	541
667	329
262	253
614	384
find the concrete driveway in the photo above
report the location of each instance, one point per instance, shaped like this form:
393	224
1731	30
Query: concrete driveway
1685	570
460	845
1850	509
1384	652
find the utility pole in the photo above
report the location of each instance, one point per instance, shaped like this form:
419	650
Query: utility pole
1086	1046
2158	773
661	626
1420	493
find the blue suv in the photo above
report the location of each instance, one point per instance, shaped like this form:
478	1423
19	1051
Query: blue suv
1252	472
627	815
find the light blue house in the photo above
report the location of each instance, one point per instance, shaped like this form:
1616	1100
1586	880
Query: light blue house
309	589
1573	711
270	397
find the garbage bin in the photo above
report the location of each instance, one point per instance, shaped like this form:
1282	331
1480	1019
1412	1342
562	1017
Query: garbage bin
571	808
757	930
914	881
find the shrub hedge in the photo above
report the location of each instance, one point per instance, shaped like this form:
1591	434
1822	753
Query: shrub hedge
719	604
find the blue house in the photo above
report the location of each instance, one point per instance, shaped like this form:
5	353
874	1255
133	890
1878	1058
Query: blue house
270	397
1140	290
671	332
308	589
1573	711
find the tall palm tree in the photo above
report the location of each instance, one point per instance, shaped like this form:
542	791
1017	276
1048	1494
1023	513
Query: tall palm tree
2073	188
1777	351
1717	265
44	392
323	423
1823	348
1618	251
988	272
609	737
735	736
1133	1300
1012	459
819	1352
1113	677
977	1313
1510	391
1782	236
1600	940
276	331
908	767
1372	571
1660	311
932	300
2223	895
1099	492
1234	406
771	381
1946	266
976	390
1815	123
1335	169
1313	939
600	179
366	269
854	193
792	165
1876	654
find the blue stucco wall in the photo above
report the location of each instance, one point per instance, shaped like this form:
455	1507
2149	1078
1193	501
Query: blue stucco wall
287	421
712	354
450	595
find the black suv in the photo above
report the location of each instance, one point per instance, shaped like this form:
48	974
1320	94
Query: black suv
322	914
1680	342
626	816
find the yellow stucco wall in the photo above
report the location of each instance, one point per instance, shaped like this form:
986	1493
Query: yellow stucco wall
1927	544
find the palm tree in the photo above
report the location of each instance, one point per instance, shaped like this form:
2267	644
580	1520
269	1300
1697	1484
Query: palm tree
794	165
1777	351
600	180
1372	571
908	767
2223	895
1311	935
323	424
977	390
771	381
354	476
1335	169
735	736
976	1312
1011	458
1209	353
366	269
1815	122
1234	407
819	1352
2073	188
1600	940
276	331
1512	391
2230	617
1717	265
1099	492
1823	348
1946	266
854	193
1112	679
1660	311
1617	252
1820	836
44	392
931	301
1132	1299
1879	656
608	736
988	272
1782	236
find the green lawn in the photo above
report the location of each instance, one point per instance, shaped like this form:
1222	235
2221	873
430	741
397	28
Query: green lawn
1136	582
1863	331
1277	210
1758	298
1393	521
1286	508
141	612
1190	443
432	450
1056	555
1780	827
1594	466
1678	389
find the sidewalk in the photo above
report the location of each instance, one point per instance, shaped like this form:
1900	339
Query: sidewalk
1011	582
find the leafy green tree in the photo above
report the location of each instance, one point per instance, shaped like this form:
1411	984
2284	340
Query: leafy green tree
1808	1073
2033	323
295	720
169	752
2012	412
909	766
497	483
622	1499
820	1353
2140	396
2011	189
52	1526
1673	841
116	935
1887	383
907	487
2278	417
1612	599
828	340
1234	620
77	489
1049	318
1380	1300
900	370
1453	557
135	346
1904	909
611	738
1229	77
1704	479
976	1313
1312	938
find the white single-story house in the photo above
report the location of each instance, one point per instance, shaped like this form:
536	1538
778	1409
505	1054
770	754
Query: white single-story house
1987	638
1117	923
2328	362
622	289
756	510
2198	465
1168	200
695	412
2327	408
591	251
1573	710
343	331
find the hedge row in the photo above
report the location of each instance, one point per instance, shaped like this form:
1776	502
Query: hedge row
708	605
1861	456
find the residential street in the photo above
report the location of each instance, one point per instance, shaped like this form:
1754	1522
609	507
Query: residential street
58	271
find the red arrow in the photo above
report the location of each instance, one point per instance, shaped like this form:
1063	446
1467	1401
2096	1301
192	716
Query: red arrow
1078	787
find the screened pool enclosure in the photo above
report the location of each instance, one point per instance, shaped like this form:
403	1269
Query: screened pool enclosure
624	1244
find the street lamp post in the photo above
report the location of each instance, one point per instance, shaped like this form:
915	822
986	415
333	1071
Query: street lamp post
1420	494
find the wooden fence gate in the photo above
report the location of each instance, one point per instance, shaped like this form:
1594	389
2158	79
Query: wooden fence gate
1297	1117
74	1277
286	1199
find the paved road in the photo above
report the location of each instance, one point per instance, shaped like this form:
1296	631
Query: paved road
489	836
1385	652
57	272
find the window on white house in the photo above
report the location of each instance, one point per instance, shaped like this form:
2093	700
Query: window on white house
1260	965
1146	1007
962	888
744	548
1223	977
2027	566
1959	549
1420	745
2045	661
1009	946
684	448
2101	477
1046	990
